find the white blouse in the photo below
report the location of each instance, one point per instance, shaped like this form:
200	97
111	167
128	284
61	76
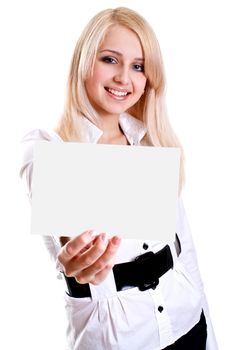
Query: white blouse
131	319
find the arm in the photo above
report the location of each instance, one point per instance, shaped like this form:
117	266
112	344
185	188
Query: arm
26	171
188	259
88	258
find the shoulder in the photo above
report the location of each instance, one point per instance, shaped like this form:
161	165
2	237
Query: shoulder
41	135
28	141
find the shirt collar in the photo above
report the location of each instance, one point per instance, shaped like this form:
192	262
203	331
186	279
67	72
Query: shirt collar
133	129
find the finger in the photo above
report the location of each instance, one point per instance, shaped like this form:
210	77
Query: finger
104	259
81	262
101	276
104	263
74	246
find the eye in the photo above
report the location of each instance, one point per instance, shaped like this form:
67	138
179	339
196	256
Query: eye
138	67
109	59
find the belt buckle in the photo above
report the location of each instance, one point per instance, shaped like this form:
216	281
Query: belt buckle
144	256
153	284
146	286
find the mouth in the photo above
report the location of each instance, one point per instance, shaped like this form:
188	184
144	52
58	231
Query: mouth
117	93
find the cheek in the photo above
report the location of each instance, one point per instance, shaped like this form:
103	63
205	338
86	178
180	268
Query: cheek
88	86
141	84
101	73
93	82
106	76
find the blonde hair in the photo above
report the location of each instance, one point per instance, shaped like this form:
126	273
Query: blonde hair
151	107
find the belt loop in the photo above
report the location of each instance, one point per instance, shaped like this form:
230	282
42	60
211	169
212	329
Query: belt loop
175	249
177	245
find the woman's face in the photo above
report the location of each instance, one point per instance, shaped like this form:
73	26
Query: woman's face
118	79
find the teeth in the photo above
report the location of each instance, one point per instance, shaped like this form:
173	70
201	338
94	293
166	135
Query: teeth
117	93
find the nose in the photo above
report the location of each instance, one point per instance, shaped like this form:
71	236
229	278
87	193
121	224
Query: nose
122	75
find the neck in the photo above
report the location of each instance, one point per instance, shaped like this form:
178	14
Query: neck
110	126
112	132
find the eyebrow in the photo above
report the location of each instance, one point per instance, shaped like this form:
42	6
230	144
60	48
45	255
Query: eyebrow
120	54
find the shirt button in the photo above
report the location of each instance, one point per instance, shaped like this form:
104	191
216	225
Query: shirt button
145	246
160	308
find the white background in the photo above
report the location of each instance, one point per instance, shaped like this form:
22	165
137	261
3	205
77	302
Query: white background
37	40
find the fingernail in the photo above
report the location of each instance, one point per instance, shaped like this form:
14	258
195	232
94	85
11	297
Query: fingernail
116	240
68	249
92	233
104	237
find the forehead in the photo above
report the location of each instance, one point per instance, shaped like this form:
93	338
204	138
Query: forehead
123	40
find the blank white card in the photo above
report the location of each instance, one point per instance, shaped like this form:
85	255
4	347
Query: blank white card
121	190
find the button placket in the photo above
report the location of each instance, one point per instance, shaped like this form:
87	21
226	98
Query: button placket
160	308
162	317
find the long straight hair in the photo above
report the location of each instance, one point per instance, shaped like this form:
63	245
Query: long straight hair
150	108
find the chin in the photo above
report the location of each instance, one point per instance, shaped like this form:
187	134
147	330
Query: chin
114	111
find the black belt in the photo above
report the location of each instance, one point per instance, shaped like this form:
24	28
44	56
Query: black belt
144	272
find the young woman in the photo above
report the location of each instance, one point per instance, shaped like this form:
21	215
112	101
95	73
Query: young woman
115	95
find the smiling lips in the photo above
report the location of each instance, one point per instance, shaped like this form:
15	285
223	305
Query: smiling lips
117	93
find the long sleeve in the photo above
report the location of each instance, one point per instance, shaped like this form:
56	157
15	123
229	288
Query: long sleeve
26	172
188	259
